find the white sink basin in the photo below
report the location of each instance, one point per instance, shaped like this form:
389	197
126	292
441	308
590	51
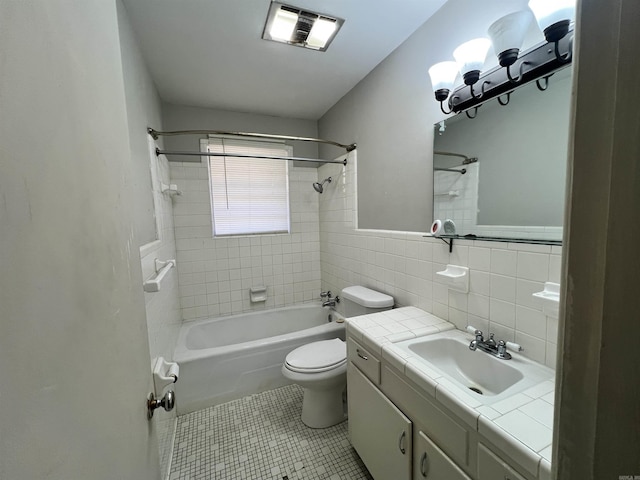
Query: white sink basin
474	369
485	377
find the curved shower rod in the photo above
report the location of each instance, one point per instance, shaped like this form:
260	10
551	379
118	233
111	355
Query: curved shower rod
155	134
466	160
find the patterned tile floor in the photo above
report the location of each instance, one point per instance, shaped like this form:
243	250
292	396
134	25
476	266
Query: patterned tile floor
261	437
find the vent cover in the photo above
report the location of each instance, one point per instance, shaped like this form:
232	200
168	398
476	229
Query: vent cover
301	28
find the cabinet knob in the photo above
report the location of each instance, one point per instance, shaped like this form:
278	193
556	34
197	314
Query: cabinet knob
401	442
423	465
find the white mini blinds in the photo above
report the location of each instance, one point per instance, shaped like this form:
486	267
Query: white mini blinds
249	195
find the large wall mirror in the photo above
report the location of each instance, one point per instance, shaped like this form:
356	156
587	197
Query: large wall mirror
513	186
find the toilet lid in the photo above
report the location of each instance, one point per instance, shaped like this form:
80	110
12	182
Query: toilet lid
317	356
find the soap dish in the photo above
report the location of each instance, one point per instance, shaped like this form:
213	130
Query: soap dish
550	299
455	277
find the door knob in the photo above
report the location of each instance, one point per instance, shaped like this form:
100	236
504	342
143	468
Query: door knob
167	402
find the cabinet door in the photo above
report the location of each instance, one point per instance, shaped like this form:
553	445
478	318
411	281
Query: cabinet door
431	463
492	467
379	432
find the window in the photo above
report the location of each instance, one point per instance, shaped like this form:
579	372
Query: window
249	195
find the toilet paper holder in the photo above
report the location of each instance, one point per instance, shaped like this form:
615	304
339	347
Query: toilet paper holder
164	373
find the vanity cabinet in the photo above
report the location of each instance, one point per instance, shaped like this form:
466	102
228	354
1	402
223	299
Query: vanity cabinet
431	463
381	434
492	467
401	433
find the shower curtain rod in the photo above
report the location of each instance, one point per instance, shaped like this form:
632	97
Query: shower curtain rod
242	155
462	172
466	160
155	134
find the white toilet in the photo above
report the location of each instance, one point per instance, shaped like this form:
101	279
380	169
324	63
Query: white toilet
320	368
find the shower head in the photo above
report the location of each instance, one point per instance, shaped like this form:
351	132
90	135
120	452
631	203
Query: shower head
318	187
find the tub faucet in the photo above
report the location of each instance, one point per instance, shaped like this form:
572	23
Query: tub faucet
331	301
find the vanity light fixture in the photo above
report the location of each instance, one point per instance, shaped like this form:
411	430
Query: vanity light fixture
300	28
507	35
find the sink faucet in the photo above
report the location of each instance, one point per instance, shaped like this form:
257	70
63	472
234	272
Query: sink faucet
331	301
498	350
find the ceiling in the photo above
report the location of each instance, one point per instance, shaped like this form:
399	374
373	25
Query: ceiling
209	53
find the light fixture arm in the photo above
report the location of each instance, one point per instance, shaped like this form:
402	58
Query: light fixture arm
546	83
505	102
566	57
520	70
442	108
482	90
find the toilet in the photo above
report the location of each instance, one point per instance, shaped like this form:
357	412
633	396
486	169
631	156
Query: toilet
320	368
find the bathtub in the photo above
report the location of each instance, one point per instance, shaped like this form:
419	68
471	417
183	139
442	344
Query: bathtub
226	358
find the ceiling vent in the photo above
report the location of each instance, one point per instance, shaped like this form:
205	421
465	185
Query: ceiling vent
301	28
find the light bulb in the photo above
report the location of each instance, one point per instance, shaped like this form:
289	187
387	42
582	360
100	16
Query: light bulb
470	57
553	16
507	35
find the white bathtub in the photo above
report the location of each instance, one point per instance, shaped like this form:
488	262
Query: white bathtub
226	358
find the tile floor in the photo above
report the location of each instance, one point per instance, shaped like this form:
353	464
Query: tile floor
262	437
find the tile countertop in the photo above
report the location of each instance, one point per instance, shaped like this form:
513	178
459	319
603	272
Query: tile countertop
521	425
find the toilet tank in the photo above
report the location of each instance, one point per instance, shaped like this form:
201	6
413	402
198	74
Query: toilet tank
358	300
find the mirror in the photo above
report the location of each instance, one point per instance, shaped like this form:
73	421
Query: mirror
514	158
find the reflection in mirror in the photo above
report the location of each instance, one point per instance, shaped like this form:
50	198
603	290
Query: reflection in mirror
502	174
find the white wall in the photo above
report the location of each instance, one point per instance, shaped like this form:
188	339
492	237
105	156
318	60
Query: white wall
154	212
73	348
403	264
215	274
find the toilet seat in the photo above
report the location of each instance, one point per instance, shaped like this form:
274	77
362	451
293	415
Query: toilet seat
317	357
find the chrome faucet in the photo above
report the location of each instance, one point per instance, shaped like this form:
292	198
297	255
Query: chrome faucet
331	301
498	350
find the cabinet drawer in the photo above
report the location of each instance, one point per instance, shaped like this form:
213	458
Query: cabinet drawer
431	463
492	467
364	360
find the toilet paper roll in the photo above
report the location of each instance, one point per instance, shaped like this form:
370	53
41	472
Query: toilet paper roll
436	228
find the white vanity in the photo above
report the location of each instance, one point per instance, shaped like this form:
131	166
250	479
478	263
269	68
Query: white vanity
412	414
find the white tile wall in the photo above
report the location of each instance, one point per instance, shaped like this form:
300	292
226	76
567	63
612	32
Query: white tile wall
215	274
456	197
502	275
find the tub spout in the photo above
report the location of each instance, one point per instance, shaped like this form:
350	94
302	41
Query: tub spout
331	302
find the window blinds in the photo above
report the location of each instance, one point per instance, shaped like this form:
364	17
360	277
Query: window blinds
249	195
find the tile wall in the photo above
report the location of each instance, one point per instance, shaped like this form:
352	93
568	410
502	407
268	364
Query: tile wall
502	275
456	197
215	274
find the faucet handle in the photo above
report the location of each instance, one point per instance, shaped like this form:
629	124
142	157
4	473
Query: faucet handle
326	294
502	348
479	337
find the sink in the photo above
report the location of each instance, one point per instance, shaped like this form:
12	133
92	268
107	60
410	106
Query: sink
475	370
485	377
